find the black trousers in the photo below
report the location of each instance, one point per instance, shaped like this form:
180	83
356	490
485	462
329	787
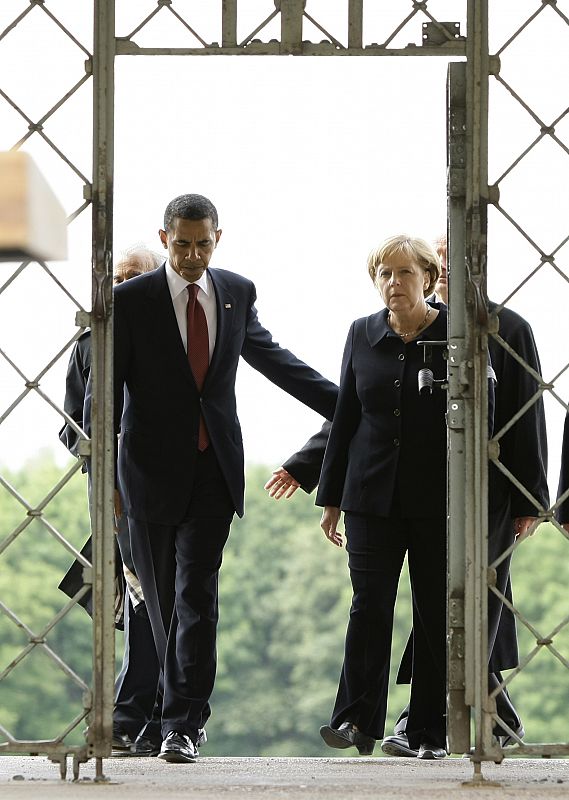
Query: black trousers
178	568
502	637
376	550
137	683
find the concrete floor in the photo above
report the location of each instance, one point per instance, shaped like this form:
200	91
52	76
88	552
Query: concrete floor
290	778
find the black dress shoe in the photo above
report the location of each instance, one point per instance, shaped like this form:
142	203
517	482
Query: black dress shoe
347	735
144	747
398	745
121	739
505	740
177	748
202	737
429	752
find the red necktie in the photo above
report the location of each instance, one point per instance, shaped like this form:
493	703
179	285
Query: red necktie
198	351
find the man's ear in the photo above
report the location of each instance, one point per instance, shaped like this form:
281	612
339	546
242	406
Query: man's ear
163	237
218	235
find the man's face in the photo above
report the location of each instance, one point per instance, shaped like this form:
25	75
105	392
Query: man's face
441	287
126	270
190	244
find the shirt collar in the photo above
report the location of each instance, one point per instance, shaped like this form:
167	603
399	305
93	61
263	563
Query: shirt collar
377	327
178	284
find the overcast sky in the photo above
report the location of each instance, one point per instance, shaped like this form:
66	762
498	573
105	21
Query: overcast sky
311	163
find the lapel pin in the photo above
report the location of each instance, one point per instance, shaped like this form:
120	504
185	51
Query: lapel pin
228	305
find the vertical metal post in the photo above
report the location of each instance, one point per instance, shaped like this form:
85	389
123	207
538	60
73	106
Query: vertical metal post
468	396
458	726
102	426
291	25
477	71
229	23
355	23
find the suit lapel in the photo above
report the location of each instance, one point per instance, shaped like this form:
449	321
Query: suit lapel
377	327
225	302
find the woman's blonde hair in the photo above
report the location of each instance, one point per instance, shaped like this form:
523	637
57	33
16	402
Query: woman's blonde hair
419	250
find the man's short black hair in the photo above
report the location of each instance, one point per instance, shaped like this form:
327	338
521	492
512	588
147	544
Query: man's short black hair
190	206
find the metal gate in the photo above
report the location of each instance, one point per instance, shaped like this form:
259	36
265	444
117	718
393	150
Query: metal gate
475	206
298	23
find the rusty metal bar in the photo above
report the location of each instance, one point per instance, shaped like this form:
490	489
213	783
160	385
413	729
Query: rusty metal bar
291	26
229	23
476	416
355	23
126	47
102	425
458	725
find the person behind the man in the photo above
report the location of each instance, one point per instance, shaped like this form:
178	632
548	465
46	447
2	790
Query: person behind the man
179	334
136	685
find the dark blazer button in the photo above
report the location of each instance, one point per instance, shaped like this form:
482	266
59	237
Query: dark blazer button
396	412
401	356
397	383
396	442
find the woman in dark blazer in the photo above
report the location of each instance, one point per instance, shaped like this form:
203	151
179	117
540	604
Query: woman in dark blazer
385	467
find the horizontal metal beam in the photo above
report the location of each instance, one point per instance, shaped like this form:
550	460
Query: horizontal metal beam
125	47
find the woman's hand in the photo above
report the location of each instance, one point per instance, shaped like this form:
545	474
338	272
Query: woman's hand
329	524
282	484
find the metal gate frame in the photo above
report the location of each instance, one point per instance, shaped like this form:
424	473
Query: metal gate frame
468	196
470	325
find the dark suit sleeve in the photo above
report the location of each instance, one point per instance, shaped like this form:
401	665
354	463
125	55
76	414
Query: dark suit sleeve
284	369
75	386
305	465
523	448
121	357
346	421
562	514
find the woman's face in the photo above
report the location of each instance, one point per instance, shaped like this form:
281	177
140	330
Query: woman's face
402	283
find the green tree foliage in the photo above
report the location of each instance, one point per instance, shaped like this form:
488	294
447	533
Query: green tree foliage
284	603
37	699
285	597
540	570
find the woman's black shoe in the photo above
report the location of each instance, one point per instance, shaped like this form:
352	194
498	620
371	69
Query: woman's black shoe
347	735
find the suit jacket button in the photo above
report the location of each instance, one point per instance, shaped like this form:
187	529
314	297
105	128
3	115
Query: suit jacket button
396	442
396	412
397	383
401	356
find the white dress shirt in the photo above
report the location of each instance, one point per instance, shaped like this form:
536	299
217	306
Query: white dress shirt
206	298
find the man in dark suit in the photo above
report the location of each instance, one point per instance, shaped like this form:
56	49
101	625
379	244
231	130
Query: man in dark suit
179	333
137	683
